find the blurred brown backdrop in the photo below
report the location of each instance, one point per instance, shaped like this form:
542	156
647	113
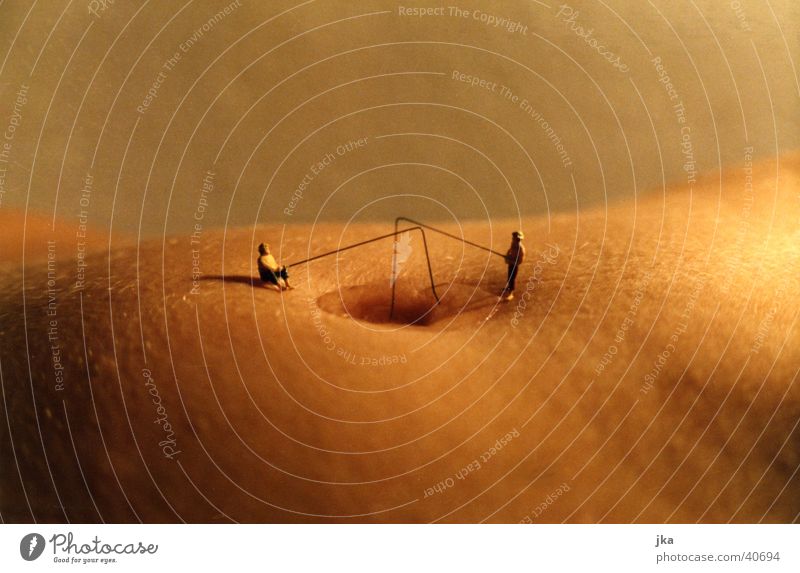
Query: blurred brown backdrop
263	91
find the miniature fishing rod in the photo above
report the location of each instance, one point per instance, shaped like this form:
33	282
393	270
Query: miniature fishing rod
417	227
445	233
374	239
435	230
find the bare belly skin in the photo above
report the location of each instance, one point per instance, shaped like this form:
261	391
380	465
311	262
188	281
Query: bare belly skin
644	372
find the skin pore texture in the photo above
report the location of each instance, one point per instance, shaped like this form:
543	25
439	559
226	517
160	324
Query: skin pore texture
645	372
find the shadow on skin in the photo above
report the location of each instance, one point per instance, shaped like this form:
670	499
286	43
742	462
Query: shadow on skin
240	279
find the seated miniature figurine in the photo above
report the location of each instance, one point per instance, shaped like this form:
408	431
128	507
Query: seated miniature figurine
274	275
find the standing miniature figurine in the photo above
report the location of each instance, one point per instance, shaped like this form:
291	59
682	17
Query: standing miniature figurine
270	271
514	258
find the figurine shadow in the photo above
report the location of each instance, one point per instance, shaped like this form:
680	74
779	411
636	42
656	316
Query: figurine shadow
254	282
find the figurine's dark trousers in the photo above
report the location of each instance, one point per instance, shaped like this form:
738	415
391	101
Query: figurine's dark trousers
512	277
270	276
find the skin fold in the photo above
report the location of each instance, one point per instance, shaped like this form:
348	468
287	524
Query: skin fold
644	372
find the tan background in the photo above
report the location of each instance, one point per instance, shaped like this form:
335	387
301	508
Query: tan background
236	85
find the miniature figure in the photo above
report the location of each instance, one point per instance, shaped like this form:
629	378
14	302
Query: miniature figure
514	258
274	275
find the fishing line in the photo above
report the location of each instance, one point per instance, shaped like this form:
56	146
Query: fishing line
417	227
